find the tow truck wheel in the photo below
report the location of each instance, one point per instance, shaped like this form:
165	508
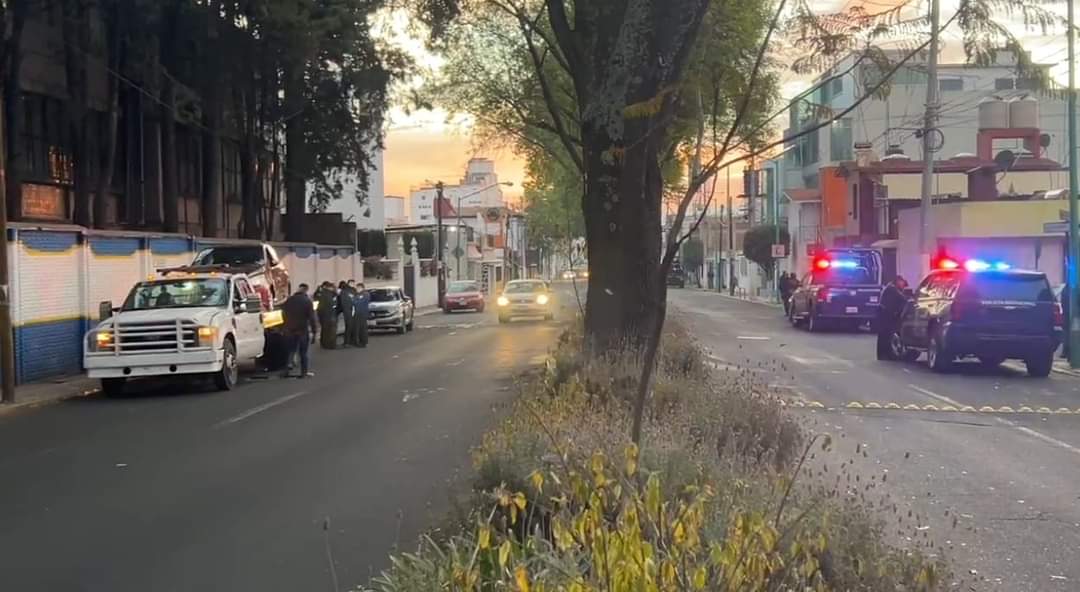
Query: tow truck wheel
113	387
936	357
1040	366
225	379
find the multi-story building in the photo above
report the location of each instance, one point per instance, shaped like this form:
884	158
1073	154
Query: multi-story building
846	183
479	188
394	212
367	211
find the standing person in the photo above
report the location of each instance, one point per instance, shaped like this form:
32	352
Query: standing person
327	300
300	328
786	288
892	303
345	305
361	300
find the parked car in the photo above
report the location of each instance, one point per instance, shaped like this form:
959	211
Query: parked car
981	310
180	324
526	298
463	295
841	289
676	277
260	262
390	309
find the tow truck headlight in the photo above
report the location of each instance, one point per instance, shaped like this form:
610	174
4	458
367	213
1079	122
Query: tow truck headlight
103	340
503	301
205	335
542	299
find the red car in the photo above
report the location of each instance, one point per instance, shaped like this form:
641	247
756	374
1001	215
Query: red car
463	295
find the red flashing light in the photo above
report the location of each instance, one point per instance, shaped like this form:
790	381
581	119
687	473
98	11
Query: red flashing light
822	263
947	263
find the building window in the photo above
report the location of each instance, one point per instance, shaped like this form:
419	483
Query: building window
47	158
1027	84
950	84
840	140
855	201
1004	84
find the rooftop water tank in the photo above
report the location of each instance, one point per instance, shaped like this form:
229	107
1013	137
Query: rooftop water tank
1023	112
993	113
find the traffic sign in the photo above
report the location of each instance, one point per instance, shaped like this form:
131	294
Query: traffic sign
779	251
1055	227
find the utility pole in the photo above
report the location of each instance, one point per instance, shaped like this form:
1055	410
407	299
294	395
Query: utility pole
930	123
731	237
7	339
440	272
1074	189
457	250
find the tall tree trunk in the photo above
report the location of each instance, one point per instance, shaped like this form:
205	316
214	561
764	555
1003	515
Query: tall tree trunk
170	190
13	108
212	110
295	154
107	162
76	36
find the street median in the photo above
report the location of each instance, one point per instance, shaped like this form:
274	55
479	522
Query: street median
719	496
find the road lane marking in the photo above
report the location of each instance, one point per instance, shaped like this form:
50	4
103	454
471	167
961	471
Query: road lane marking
753	338
1041	436
259	409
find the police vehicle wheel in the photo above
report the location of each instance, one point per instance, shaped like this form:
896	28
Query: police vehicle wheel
1040	367
226	378
113	387
814	324
936	358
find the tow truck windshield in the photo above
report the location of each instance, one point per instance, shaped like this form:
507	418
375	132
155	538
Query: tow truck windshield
247	255
177	293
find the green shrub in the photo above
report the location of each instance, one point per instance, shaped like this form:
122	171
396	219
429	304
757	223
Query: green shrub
562	501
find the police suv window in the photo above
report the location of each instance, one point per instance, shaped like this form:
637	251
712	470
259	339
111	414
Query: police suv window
924	287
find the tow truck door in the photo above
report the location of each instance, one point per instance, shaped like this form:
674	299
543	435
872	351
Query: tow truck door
248	323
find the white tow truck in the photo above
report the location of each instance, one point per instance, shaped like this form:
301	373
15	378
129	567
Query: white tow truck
199	320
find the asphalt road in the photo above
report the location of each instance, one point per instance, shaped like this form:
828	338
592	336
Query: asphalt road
180	490
1010	480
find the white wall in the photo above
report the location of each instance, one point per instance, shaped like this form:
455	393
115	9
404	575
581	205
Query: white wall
369	215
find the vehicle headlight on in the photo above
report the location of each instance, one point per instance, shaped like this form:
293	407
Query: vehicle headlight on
542	299
205	335
503	301
103	340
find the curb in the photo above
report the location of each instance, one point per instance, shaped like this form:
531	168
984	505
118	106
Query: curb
8	408
740	299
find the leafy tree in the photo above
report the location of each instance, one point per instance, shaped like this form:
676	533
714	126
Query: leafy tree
693	254
371	242
758	242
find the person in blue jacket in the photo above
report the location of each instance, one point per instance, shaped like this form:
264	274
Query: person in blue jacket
361	300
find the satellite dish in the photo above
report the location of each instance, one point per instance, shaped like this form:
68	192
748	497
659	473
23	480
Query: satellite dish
1005	159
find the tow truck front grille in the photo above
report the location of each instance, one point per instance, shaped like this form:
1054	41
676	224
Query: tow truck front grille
153	337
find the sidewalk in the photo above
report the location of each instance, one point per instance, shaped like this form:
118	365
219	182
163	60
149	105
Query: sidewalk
763	300
41	393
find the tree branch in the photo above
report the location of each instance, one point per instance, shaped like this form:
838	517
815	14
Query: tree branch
549	99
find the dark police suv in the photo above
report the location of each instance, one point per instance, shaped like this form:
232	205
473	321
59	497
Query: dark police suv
982	310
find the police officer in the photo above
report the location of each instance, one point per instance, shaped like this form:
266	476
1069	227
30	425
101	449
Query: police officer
361	302
891	306
326	298
347	309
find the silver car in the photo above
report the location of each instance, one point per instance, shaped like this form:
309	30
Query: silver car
526	298
390	308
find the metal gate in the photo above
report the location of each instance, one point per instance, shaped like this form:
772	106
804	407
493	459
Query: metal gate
408	283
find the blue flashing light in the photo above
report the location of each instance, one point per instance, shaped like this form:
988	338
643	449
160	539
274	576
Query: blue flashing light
844	264
1002	266
976	265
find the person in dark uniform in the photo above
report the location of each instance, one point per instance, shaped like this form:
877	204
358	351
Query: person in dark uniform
361	300
890	307
327	300
299	328
346	307
787	286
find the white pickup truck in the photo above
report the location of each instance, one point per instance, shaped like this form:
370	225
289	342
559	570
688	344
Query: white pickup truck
184	322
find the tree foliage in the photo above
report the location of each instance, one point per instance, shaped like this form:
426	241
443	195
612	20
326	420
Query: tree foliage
693	254
758	242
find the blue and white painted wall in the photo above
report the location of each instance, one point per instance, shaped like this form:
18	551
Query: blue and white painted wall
61	274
